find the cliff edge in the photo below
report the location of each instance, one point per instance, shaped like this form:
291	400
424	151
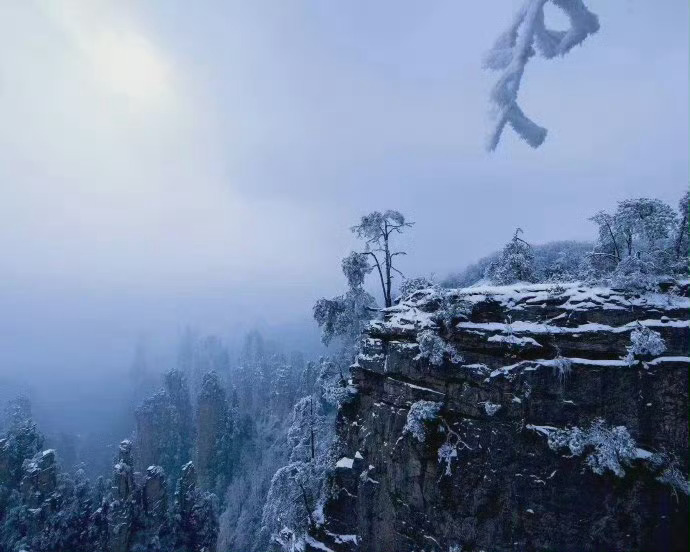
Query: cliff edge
518	418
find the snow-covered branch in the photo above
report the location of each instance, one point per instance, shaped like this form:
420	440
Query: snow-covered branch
513	49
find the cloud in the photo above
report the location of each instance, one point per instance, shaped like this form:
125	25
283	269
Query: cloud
166	162
113	176
122	58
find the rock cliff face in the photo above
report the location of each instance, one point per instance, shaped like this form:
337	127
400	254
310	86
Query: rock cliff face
165	428
509	418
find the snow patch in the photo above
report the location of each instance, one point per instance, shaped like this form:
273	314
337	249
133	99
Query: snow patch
345	462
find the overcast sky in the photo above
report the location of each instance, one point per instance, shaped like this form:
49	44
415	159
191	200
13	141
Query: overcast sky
166	162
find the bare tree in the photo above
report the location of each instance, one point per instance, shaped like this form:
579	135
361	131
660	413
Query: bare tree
377	229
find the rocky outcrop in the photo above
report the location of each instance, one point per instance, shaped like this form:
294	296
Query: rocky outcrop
123	509
543	417
40	477
155	495
214	435
164	427
197	513
43	511
22	442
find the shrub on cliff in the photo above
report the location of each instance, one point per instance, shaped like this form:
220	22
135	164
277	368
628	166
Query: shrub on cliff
514	264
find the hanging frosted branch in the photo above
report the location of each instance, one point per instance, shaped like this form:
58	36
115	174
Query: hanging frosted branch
516	46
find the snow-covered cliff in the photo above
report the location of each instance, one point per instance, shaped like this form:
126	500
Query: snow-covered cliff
527	417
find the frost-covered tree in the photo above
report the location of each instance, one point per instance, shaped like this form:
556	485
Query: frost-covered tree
514	264
308	426
560	271
264	386
607	253
681	245
644	224
526	36
640	244
636	242
377	230
308	378
283	388
289	510
298	488
344	316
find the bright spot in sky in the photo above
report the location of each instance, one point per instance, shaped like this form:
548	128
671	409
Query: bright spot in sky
119	54
128	65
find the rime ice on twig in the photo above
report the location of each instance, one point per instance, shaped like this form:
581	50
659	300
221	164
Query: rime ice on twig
515	47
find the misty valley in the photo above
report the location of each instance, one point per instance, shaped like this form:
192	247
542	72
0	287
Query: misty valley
492	371
265	288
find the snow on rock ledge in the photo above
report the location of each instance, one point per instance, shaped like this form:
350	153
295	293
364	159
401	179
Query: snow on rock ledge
533	356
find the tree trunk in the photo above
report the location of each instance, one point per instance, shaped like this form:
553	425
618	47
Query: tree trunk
306	505
615	244
681	231
388	299
311	428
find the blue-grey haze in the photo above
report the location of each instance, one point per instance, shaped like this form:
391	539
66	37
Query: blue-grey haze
168	163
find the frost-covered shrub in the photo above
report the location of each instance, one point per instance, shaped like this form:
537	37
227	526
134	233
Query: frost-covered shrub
453	443
410	285
419	413
556	290
557	261
514	264
672	476
562	367
491	408
446	453
451	309
644	341
612	448
635	274
433	348
332	384
668	471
